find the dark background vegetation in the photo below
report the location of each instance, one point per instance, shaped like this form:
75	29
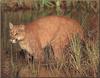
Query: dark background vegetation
25	11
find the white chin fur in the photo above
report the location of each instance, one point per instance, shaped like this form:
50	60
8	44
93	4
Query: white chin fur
19	38
13	41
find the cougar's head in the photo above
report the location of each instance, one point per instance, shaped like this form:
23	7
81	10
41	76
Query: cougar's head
17	32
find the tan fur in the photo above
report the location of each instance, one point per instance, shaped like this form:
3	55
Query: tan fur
54	30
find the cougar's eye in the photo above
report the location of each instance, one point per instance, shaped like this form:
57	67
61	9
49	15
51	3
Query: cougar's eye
16	34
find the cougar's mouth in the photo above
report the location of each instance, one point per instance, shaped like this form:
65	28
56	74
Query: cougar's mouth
13	40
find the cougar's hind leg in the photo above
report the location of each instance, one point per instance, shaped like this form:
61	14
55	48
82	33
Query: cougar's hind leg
58	48
58	52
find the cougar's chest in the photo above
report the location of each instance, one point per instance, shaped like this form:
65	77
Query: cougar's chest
24	45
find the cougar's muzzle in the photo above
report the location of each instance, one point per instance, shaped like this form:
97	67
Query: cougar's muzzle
13	40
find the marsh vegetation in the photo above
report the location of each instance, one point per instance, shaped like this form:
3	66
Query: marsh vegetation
82	59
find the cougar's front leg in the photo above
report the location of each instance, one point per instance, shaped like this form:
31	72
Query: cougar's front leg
39	53
36	47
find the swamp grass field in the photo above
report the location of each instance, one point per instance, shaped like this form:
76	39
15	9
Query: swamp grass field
82	60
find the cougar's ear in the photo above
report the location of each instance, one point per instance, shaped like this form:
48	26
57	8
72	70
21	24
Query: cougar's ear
11	25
